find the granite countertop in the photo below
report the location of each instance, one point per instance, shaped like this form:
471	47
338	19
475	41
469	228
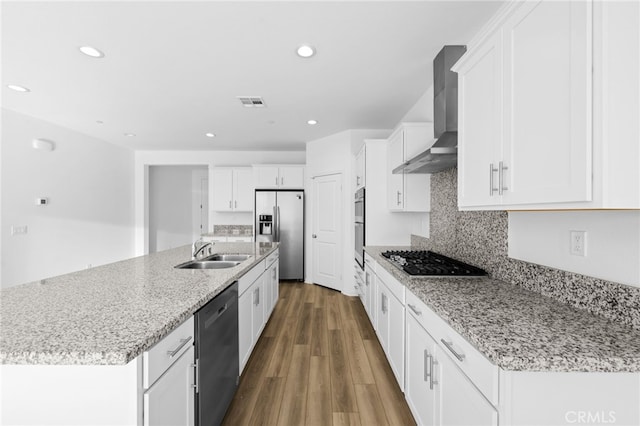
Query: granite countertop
521	330
110	314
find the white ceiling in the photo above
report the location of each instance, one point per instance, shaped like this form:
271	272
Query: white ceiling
173	70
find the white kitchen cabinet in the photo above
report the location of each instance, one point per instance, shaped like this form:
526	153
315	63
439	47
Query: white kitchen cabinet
258	307
272	281
370	293
278	176
421	386
360	175
169	378
255	304
390	318
545	120
408	192
232	189
171	399
461	403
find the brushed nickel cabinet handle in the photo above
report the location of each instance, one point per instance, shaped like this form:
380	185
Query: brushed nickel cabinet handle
492	188
501	187
414	309
183	342
449	345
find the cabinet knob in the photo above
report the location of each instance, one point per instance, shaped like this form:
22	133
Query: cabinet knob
314	236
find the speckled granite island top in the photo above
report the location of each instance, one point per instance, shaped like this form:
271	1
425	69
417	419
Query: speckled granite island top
520	330
112	313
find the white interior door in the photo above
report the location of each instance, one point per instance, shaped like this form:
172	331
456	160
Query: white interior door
327	231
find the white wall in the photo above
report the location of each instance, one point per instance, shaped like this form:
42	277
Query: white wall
329	155
89	184
144	159
613	242
171	206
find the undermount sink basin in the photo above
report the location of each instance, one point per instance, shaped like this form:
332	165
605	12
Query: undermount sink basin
228	257
207	264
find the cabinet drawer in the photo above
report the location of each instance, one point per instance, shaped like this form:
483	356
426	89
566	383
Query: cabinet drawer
253	274
392	284
163	354
479	369
271	258
370	262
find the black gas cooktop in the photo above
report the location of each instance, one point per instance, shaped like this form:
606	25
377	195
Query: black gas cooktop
428	263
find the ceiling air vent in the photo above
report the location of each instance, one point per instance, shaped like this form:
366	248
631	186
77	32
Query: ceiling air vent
252	101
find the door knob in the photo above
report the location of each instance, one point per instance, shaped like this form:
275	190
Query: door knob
314	236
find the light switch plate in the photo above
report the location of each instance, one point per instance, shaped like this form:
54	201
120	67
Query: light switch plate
18	230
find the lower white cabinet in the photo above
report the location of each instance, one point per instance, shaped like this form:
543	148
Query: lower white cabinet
370	294
170	400
258	294
421	387
390	318
229	239
461	403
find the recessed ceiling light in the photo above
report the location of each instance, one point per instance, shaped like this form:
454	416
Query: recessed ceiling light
18	88
91	51
210	135
130	135
312	122
306	51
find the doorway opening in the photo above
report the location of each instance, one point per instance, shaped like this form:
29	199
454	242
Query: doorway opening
178	205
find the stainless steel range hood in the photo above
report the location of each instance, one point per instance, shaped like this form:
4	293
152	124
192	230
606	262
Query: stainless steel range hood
443	154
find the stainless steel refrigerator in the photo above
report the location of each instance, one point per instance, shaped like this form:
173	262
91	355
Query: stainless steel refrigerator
280	218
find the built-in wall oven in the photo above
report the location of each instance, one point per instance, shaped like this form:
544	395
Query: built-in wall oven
359	227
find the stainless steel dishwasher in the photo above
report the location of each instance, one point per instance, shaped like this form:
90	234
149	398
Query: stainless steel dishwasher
216	356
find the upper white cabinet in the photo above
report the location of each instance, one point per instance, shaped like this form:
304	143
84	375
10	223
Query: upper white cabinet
232	189
278	176
360	168
545	123
408	192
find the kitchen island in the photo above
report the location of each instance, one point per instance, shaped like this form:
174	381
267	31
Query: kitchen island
74	342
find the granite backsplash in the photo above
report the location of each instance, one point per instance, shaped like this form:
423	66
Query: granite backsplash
480	238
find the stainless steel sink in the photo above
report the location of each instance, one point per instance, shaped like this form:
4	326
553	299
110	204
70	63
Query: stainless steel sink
207	264
228	257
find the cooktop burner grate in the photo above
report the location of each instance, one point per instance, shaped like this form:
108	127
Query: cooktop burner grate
428	263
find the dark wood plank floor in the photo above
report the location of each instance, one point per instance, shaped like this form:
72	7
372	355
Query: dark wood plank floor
318	362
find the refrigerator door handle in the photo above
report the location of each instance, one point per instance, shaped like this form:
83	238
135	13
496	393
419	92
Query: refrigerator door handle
278	211
275	224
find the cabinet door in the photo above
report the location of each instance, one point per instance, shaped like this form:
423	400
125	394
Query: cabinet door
171	400
266	177
243	190
480	120
383	316
360	169
460	402
395	183
222	189
548	80
421	389
396	338
292	177
259	298
275	283
245	324
369	293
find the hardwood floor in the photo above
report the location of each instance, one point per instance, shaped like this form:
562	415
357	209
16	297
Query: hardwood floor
318	362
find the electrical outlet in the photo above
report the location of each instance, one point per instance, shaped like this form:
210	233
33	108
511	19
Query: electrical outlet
18	230
578	243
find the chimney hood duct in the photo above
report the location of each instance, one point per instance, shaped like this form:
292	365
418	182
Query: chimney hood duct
444	152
